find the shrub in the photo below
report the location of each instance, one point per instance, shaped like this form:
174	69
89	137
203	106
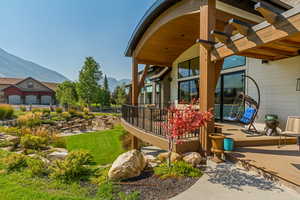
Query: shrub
36	166
73	112
86	110
5	143
10	130
131	196
73	167
30	119
6	111
33	142
59	142
66	116
48	121
58	110
23	108
177	169
35	110
15	162
106	191
46	112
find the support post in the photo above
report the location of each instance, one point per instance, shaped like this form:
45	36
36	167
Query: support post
134	142
135	83
207	69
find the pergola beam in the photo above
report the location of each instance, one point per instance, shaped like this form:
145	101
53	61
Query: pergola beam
242	27
270	12
221	36
262	34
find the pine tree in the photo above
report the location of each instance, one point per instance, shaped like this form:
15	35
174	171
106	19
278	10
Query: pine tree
88	83
106	92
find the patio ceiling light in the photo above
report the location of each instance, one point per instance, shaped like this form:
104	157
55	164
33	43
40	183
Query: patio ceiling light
298	85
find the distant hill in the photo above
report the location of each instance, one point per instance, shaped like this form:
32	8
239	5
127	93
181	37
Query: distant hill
113	82
15	67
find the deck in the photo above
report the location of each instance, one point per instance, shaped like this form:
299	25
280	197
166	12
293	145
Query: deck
242	139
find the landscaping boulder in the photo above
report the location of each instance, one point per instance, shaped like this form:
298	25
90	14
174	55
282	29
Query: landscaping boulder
127	165
57	155
8	148
174	156
13	139
192	158
151	161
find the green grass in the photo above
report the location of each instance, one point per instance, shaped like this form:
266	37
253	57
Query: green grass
105	146
108	114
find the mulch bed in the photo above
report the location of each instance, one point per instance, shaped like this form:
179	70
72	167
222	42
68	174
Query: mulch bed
152	187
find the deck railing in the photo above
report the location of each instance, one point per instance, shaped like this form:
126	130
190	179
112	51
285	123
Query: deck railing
150	119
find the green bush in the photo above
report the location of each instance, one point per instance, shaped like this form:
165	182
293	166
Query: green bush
74	167
67	116
46	112
177	169
30	119
35	110
23	108
48	121
5	143
10	130
59	142
106	191
36	166
33	142
58	110
14	162
73	112
6	111
131	196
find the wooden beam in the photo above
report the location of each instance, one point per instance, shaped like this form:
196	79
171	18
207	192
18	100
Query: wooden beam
142	79
207	69
258	56
153	62
262	34
221	36
242	27
135	82
270	12
209	45
288	43
277	52
218	66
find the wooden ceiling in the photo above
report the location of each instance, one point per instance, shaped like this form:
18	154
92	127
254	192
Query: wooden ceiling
174	37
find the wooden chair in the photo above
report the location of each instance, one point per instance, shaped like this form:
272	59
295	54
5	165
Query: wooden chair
292	128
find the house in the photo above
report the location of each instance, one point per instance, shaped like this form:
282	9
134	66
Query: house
27	91
207	48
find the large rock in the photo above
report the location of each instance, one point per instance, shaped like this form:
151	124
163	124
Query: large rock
192	158
151	161
57	155
127	165
174	156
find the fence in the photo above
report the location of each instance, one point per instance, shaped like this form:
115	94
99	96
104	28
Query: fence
151	120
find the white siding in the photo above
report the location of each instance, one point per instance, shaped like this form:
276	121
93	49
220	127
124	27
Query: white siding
277	81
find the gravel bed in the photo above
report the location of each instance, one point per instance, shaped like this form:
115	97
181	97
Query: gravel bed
152	187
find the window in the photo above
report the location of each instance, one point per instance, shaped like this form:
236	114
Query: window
188	90
234	61
148	93
188	68
30	84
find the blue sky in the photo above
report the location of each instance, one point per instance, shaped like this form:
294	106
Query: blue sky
59	34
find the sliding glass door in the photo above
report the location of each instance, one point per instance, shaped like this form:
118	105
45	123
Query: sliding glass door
229	86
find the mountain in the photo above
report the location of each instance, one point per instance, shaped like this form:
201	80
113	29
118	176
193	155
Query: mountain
113	82
15	67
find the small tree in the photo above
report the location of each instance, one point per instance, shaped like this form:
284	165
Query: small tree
88	83
66	94
183	121
121	96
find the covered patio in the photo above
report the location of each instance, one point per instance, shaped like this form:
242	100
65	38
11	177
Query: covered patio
258	30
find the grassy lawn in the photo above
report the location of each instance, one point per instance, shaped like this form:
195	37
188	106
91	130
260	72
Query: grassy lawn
105	146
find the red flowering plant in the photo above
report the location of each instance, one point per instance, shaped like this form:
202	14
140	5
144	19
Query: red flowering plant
183	121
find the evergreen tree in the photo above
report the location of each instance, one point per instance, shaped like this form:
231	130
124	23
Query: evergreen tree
88	83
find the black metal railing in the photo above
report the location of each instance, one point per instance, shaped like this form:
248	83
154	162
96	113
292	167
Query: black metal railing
150	119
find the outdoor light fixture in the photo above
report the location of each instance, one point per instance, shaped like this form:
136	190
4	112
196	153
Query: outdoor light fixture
298	85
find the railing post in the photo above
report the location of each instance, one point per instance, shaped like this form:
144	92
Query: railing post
151	120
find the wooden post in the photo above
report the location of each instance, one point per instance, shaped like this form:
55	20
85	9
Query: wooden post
135	83
207	69
134	96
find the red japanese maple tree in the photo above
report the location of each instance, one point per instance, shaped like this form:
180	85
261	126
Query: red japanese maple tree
184	121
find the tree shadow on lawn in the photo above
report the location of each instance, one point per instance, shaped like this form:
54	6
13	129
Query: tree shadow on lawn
234	178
